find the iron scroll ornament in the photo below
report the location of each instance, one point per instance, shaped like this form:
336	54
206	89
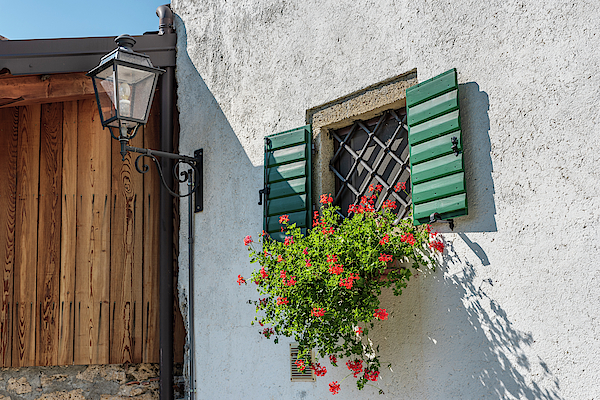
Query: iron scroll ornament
183	176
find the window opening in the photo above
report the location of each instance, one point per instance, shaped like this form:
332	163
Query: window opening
372	152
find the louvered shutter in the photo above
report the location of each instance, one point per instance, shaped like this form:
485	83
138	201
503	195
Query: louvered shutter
436	158
288	179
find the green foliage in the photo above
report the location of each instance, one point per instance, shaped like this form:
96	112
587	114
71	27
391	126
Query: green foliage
322	288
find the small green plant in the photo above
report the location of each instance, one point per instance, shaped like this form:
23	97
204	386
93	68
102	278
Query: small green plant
322	288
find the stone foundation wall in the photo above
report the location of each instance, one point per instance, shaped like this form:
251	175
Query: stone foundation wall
94	382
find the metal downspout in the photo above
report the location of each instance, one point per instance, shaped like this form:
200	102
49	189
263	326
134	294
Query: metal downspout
166	240
191	291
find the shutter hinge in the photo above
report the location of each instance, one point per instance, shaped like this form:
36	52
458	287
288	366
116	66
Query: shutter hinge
455	145
262	192
436	217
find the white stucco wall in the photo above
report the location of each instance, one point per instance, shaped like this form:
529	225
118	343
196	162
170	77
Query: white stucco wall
513	312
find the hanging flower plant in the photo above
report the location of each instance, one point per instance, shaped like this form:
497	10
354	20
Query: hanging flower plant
322	288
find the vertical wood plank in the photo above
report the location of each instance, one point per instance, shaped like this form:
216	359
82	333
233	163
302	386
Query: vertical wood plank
150	322
49	229
68	243
92	267
9	123
28	158
126	256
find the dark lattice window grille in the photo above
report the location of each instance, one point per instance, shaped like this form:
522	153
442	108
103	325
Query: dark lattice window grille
372	152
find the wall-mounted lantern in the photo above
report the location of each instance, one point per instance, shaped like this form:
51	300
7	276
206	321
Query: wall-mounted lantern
124	83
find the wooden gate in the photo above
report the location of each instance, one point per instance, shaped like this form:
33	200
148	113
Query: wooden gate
78	240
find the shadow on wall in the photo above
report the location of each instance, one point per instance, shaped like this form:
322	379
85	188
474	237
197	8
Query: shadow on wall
449	339
475	124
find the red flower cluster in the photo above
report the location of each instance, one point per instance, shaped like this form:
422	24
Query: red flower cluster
349	281
391	204
385	257
334	387
331	258
333	360
326	199
358	330
284	218
408	238
308	264
305	251
400	186
328	230
300	365
384	239
355	366
378	188
439	246
282	275
240	280
268	332
279	258
290	282
336	269
316	221
381	314
317	312
247	240
263	273
371	375
319	371
262	302
288	240
282	300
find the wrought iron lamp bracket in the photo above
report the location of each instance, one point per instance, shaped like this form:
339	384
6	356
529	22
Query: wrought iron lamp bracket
194	174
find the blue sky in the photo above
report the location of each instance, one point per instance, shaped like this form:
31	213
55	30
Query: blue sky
43	19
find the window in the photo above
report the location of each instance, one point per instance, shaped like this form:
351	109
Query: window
372	153
394	132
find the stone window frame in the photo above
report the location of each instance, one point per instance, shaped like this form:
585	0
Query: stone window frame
363	104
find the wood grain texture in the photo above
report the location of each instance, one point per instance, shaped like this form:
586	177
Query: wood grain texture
9	123
150	322
66	323
91	342
28	157
126	281
49	230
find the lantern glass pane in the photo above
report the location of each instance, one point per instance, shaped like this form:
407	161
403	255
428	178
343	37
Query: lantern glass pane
134	92
105	89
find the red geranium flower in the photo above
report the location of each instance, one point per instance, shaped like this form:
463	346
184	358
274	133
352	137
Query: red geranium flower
282	300
371	375
240	280
288	240
326	199
317	312
408	238
359	330
247	240
319	371
334	387
439	246
263	273
381	314
300	365
384	239
279	258
284	218
333	360
385	257
400	186
355	367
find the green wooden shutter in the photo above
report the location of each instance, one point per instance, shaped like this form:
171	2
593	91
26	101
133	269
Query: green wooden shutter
437	167
288	179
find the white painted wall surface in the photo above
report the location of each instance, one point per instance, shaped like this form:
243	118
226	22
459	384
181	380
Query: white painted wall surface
513	312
